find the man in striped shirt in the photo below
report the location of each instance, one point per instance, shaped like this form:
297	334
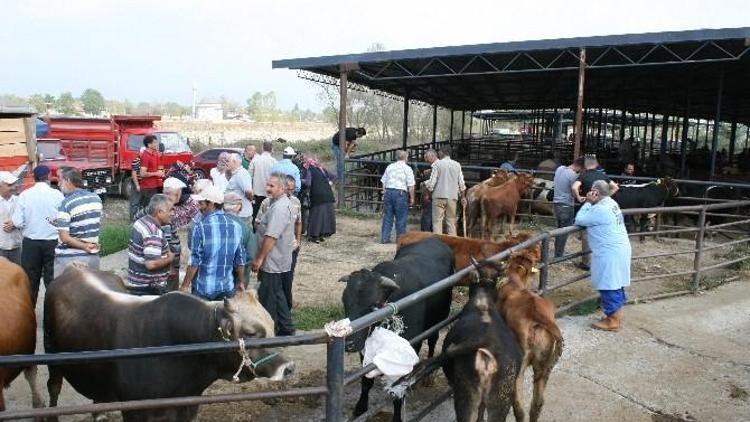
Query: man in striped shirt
78	223
149	257
217	256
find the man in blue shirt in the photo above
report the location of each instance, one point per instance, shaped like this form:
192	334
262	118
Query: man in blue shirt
217	250
610	252
287	167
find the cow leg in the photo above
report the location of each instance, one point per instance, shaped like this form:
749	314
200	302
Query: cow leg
498	406
2	388
54	385
480	412
541	375
364	397
398	410
518	393
429	380
512	218
30	375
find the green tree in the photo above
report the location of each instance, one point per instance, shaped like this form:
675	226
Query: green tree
65	104
38	101
93	101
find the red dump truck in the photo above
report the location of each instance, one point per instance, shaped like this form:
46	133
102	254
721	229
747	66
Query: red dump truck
102	149
18	141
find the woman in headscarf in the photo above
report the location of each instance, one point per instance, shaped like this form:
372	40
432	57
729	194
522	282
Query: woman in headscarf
322	219
219	173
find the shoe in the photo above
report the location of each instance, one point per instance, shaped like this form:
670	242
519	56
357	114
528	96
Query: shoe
610	323
584	267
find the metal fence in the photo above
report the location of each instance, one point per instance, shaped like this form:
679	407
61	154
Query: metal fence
336	377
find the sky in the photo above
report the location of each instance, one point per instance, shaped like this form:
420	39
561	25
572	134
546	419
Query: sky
154	50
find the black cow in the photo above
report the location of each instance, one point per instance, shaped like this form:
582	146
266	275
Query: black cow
415	267
649	195
90	310
481	358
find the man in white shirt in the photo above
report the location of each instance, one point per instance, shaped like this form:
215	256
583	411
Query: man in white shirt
241	183
35	214
10	236
398	181
447	186
260	169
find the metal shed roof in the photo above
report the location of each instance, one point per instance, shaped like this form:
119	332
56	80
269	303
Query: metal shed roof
653	72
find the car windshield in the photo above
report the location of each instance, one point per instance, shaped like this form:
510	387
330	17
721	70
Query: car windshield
173	142
50	150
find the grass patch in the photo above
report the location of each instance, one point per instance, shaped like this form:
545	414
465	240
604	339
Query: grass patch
738	252
113	238
586	308
314	317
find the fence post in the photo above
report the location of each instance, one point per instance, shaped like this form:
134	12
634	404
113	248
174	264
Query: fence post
699	249
334	379
544	272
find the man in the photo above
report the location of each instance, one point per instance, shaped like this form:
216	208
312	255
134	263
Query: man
447	186
248	155
398	182
549	165
241	183
276	229
287	167
591	174
134	201
149	257
232	207
152	170
78	223
564	200
351	135
510	165
217	258
260	169
35	213
425	221
610	252
10	236
628	172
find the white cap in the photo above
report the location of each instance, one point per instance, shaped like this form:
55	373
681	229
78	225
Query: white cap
174	183
8	177
289	151
211	194
201	184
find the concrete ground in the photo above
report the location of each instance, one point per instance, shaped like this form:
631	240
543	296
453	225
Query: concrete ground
681	359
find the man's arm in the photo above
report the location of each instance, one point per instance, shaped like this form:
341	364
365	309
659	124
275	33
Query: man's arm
613	187
265	248
574	189
187	282
158	264
239	284
134	178
430	183
67	239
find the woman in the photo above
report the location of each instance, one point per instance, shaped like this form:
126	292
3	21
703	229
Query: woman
219	173
610	252
322	218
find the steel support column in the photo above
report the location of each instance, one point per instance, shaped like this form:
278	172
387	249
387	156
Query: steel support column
653	135
450	137
683	144
471	123
664	135
405	127
732	141
579	104
717	121
434	125
343	81
335	380
623	119
463	124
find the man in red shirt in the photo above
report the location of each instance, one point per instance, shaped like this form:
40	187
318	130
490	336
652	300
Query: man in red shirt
152	170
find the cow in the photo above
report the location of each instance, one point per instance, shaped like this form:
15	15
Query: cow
473	193
480	358
87	309
538	195
415	267
648	195
463	248
18	328
501	202
532	320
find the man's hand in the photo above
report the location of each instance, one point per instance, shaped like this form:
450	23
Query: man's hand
256	265
169	255
92	247
138	188
463	201
411	202
8	227
295	244
185	288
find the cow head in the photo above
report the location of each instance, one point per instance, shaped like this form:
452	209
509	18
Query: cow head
673	190
244	317
365	292
482	291
522	263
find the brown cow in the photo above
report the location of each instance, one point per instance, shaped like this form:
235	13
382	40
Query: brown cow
18	328
503	201
473	193
532	319
464	249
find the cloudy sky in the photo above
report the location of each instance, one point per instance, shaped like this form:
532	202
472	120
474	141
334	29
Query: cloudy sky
153	50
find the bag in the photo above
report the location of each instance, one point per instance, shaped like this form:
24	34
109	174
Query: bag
392	354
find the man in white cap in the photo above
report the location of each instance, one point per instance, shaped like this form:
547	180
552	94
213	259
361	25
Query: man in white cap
287	167
217	257
241	183
10	236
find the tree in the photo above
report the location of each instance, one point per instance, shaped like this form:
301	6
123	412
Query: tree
65	104
42	102
93	101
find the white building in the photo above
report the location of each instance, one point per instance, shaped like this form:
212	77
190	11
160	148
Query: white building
213	112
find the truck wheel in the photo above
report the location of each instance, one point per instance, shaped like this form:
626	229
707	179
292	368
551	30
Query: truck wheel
126	188
200	173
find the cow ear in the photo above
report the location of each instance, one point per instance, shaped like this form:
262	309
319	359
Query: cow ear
387	284
485	364
344	279
229	306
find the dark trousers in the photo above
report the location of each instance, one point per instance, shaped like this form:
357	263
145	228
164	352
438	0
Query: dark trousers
288	279
395	206
38	260
425	221
257	200
272	297
146	195
565	215
134	201
13	255
148	290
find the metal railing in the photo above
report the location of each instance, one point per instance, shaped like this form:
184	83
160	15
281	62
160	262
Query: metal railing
336	377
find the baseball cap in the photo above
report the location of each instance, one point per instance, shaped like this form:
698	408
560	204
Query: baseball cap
211	194
41	171
289	151
7	177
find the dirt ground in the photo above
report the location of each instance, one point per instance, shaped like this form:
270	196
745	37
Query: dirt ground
578	393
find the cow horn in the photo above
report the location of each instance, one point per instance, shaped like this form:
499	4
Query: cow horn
387	283
474	262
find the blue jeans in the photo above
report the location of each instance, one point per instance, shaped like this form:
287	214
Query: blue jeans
565	215
612	300
395	205
425	222
339	161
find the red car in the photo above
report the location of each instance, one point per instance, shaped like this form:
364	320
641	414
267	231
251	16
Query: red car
206	160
